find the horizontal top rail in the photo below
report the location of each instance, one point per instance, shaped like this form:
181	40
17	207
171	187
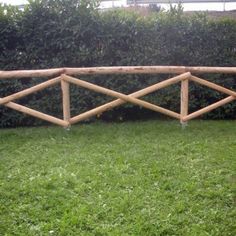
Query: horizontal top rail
115	70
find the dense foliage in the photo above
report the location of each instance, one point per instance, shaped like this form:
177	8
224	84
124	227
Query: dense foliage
74	33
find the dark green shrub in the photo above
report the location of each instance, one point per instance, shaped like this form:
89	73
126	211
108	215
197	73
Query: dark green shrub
70	34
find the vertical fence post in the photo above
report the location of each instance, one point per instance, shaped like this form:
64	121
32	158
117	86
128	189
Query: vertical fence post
65	87
184	100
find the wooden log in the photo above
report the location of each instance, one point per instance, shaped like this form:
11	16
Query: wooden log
31	90
137	94
212	85
148	70
122	96
65	86
36	114
184	100
210	70
116	70
31	73
208	108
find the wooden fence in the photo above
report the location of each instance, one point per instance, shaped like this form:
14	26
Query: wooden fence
64	76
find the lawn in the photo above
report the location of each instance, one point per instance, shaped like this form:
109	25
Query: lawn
132	178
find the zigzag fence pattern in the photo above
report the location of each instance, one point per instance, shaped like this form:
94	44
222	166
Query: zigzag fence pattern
64	76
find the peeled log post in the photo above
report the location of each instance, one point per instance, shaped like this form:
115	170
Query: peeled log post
65	86
184	100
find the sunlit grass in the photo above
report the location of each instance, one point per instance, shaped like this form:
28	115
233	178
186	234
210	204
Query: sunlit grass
137	178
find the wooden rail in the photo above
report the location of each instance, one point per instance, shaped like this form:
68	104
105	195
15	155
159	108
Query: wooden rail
116	70
64	77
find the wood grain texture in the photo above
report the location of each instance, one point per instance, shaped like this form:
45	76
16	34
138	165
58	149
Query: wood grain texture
65	87
184	100
116	70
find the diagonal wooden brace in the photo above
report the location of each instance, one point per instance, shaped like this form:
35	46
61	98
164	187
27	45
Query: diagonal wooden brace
212	85
230	98
36	114
31	90
209	108
125	98
7	101
118	102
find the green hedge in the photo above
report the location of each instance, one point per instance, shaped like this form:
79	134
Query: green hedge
66	33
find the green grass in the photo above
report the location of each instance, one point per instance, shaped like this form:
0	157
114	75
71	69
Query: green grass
137	178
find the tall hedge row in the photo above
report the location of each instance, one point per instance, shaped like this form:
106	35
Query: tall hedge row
71	33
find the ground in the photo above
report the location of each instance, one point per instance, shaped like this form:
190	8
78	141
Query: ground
132	178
